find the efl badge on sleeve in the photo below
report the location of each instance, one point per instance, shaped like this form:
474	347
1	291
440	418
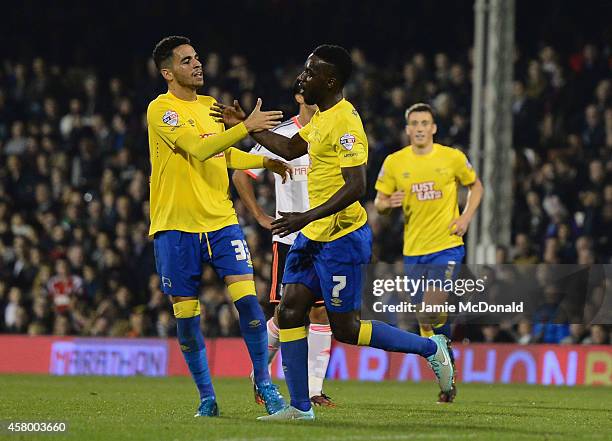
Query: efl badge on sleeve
171	118
347	141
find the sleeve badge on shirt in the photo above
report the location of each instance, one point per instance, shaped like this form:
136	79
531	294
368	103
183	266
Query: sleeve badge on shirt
347	141
468	164
171	118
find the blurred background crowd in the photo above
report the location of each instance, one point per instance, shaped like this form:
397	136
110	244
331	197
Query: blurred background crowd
75	258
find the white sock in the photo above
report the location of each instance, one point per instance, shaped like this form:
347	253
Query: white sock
273	341
319	345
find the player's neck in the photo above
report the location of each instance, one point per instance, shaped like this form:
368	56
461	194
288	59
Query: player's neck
305	115
329	102
183	93
423	150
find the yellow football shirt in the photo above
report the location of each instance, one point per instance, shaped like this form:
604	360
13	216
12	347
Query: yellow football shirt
186	194
430	204
335	139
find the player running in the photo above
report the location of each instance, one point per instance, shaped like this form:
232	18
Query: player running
422	178
326	260
192	217
290	196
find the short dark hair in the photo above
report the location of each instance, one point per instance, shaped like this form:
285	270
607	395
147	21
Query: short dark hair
163	49
420	107
338	57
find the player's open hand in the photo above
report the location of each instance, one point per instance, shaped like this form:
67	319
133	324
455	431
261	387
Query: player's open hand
281	168
228	115
459	226
259	120
396	199
289	223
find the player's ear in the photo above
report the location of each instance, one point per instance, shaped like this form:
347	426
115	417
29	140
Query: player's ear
331	83
167	74
299	98
406	129
435	129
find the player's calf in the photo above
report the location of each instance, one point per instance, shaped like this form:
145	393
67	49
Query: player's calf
191	341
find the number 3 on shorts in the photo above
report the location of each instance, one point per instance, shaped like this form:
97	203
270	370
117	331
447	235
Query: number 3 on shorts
340	284
241	249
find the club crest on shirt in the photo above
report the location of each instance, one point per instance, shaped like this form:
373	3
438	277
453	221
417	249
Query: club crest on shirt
347	141
171	118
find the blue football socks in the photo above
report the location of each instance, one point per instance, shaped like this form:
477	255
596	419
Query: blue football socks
294	351
255	335
192	345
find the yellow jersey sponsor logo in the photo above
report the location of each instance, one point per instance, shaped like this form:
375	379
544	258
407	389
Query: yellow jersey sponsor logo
425	191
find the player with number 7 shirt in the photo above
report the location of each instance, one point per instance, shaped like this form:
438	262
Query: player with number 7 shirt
328	256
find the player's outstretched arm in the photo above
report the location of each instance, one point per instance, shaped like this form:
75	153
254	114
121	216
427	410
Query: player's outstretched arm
353	189
384	203
288	148
240	160
244	185
208	147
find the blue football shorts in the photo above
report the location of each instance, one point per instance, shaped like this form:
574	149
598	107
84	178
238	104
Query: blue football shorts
333	271
179	257
437	267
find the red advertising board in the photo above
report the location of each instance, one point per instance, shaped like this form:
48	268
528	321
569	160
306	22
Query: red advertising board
533	364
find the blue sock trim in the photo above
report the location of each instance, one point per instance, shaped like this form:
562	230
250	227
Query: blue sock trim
194	351
254	332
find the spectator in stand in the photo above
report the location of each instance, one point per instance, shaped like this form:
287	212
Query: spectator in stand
64	287
576	335
598	335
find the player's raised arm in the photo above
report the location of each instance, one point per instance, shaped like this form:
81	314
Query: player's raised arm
353	189
206	148
288	148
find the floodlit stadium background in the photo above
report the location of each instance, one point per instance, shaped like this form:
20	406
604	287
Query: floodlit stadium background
75	81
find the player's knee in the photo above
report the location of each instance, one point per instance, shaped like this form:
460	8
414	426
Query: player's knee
346	332
319	315
289	316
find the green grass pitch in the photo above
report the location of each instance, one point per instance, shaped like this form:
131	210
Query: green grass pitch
99	408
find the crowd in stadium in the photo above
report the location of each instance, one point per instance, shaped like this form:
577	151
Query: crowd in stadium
75	257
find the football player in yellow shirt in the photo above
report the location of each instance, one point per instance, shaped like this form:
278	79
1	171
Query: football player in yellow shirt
192	217
327	258
422	178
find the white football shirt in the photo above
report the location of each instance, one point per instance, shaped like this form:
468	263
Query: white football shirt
292	196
